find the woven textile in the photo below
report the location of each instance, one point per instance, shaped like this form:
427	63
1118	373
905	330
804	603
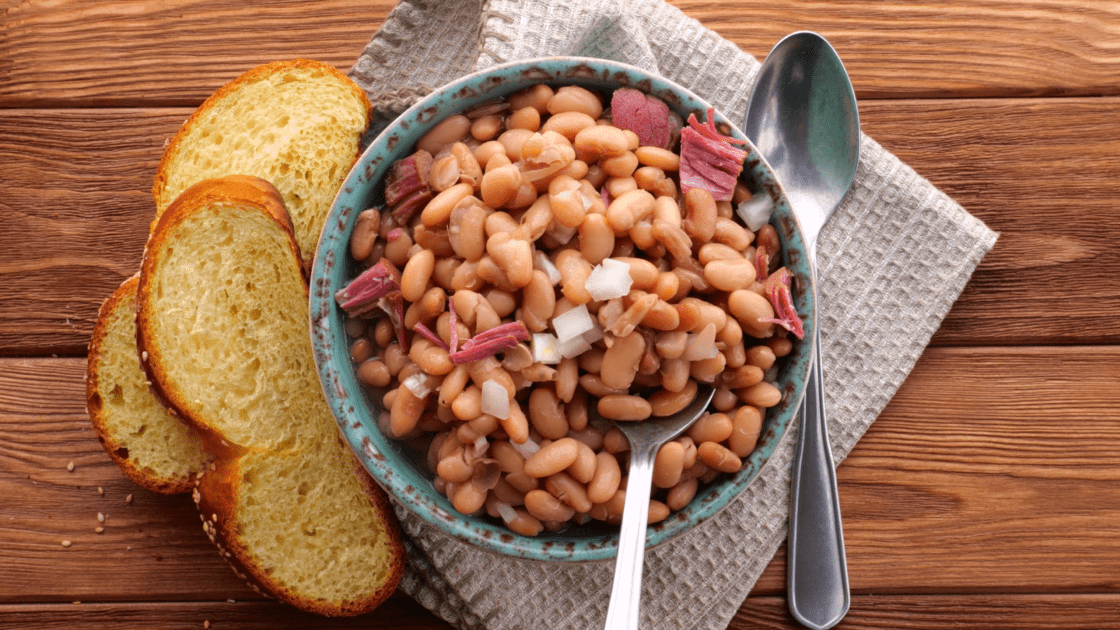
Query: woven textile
891	262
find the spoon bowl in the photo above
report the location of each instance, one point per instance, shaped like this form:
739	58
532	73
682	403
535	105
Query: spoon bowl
802	116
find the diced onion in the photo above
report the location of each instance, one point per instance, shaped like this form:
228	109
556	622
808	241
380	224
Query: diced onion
595	334
572	324
527	449
495	399
418	384
574	347
609	279
543	263
506	511
546	349
481	444
755	212
701	345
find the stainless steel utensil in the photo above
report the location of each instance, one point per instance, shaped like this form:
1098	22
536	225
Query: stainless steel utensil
802	116
645	437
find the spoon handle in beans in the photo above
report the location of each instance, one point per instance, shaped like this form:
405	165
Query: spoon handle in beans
626	593
818	574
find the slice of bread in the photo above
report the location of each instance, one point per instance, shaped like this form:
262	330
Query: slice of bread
222	315
151	446
297	124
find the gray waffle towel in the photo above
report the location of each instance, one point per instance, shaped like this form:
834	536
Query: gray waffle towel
892	260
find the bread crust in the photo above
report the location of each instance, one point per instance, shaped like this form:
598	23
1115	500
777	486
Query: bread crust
94	407
217	499
238	189
248	77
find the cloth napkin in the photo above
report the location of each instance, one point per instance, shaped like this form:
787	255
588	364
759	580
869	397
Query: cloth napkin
891	262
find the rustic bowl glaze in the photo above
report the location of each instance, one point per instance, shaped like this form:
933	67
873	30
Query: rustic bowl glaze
403	473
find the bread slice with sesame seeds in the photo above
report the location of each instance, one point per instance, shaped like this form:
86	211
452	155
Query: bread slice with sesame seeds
222	315
297	124
151	447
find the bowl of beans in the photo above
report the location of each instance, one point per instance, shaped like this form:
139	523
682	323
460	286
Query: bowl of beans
539	240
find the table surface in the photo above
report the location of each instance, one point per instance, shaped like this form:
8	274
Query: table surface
986	493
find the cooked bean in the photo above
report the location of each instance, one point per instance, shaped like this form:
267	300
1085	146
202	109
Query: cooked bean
525	118
568	124
624	407
546	507
662	316
546	413
467	499
417	272
746	426
583	469
366	227
538	302
668	286
674	374
596	238
663	159
567	377
577	412
668	465
374	373
750	308
724	400
516	425
564	487
710	427
680	495
658	512
718	457
455	467
628	209
621	165
536	96
486	128
606	479
449	130
730	275
361	350
761	395
500	185
730	233
405	411
573	98
700	215
664	402
614	441
444	173
468	404
552	458
620	361
601	140
487	150
707	370
742	376
431	358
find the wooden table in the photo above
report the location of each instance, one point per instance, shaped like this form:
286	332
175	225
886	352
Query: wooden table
985	496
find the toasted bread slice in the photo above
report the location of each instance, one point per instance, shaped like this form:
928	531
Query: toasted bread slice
222	316
297	124
151	446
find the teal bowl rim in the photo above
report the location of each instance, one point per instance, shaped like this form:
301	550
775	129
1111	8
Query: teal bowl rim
402	474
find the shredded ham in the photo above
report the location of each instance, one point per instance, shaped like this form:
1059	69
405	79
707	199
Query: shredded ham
708	159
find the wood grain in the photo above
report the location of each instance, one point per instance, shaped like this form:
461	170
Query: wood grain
76	208
85	53
1072	612
945	493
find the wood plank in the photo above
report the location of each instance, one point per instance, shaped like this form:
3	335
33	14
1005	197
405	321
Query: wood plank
992	470
1041	172
75	205
104	54
868	612
84	53
397	613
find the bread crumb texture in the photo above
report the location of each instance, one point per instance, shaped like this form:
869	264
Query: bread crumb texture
152	447
296	124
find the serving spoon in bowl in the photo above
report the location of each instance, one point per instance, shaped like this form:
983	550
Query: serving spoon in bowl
802	116
646	438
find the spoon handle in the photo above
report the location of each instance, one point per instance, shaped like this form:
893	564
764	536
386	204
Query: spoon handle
818	572
626	592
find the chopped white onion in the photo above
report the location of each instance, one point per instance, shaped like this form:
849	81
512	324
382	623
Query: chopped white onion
572	324
546	349
609	279
419	385
560	232
755	212
527	449
574	347
495	399
701	345
595	334
542	262
481	444
506	511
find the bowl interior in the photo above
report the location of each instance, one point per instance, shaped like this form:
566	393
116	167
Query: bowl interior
402	471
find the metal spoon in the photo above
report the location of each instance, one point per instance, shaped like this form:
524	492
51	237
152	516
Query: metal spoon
646	438
802	116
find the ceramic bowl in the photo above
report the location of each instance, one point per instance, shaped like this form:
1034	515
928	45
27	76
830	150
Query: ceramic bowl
402	472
